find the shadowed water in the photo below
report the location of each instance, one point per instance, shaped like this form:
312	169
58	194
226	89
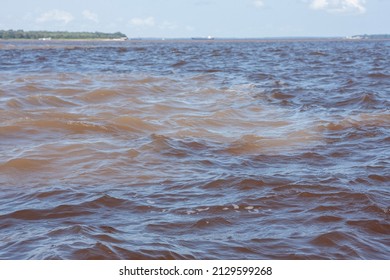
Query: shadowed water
195	150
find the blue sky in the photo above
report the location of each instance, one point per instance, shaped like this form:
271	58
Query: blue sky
188	18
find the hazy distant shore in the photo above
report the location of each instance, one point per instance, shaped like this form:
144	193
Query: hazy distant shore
216	40
59	35
118	36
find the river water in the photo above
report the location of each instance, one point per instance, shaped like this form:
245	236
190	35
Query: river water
195	149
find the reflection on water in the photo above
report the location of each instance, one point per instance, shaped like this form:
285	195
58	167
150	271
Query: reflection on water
205	150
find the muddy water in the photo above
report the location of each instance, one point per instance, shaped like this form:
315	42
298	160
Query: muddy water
195	150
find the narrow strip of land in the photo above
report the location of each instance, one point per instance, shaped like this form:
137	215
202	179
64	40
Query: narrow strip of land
45	35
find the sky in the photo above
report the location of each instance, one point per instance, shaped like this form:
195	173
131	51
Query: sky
191	18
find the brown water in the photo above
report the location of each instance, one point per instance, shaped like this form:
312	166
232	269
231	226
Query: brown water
195	150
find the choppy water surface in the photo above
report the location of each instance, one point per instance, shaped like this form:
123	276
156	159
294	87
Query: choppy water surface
195	150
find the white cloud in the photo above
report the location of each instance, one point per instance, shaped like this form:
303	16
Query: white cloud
143	22
87	14
339	6
258	3
319	4
55	15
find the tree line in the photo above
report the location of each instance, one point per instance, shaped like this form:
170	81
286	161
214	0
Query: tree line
21	34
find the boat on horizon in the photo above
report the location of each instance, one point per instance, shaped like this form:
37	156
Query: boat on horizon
203	38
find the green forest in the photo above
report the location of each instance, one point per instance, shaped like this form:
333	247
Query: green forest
21	34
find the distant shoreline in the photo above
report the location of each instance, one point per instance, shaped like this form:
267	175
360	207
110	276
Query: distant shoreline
58	42
118	36
62	40
59	35
189	40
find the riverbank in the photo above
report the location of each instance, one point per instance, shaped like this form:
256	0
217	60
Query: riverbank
59	35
